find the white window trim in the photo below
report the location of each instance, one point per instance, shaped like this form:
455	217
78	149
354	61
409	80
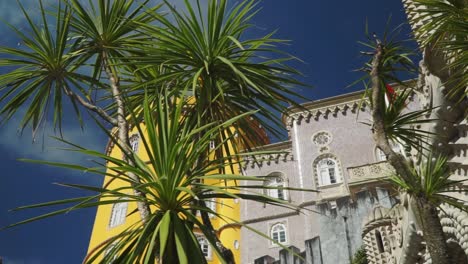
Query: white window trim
118	214
272	181
212	204
135	142
209	253
338	173
271	225
212	144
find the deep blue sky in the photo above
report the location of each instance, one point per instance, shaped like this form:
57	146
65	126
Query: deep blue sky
324	35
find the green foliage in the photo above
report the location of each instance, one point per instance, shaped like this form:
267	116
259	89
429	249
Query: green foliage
172	180
228	74
234	84
53	61
443	26
360	256
431	180
401	125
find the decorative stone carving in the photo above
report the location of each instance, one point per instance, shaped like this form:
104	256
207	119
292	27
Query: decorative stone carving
260	160
369	172
322	138
325	112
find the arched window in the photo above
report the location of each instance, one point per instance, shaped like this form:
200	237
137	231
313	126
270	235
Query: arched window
278	233
328	171
118	214
134	142
276	181
204	246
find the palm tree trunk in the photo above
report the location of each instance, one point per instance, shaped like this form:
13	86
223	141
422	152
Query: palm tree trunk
227	254
433	232
123	137
432	228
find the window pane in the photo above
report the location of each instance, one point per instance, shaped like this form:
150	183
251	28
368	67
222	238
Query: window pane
134	140
280	194
275	236
324	176
282	237
331	172
118	214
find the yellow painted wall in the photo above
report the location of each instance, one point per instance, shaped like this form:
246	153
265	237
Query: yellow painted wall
101	230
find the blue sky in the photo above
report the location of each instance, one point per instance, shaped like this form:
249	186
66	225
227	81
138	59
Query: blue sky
323	34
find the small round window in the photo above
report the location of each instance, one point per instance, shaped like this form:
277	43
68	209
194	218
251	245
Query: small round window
322	138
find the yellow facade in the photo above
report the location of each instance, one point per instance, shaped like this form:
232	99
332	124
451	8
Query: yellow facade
228	232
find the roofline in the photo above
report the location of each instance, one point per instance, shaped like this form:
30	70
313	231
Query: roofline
333	100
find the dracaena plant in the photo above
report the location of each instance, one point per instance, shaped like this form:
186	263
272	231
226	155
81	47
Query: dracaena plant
441	28
389	122
173	181
207	52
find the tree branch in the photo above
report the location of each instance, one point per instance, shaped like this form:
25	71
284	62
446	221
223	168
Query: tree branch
91	107
123	137
378	111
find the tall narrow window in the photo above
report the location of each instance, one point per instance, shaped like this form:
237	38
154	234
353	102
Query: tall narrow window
276	182
328	171
118	214
212	144
378	238
134	142
211	203
278	233
204	246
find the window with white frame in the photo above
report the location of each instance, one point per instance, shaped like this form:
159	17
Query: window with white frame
204	246
212	144
211	204
118	214
276	182
134	142
278	233
328	171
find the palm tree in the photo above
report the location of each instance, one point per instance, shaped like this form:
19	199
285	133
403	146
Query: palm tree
428	184
205	51
49	66
172	180
441	28
130	50
120	44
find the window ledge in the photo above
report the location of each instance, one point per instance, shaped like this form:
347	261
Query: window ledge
329	186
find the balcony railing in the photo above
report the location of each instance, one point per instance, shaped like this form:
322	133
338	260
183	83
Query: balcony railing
369	172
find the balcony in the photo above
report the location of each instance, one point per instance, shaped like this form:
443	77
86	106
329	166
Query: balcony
368	173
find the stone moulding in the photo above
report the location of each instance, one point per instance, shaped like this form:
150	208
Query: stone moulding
324	112
369	172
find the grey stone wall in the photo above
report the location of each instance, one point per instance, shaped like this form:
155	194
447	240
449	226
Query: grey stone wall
351	143
335	241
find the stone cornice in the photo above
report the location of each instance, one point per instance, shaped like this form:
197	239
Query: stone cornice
259	160
325	107
333	106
